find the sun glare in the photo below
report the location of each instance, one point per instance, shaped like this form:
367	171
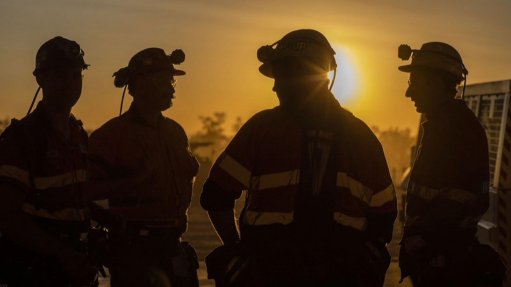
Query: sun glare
347	80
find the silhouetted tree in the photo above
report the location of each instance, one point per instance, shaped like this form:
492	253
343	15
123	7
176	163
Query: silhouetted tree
237	125
206	144
212	126
397	144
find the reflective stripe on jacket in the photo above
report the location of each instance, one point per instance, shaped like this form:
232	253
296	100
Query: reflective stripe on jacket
265	158
50	169
449	181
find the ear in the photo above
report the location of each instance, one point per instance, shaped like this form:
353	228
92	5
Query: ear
131	89
40	79
134	87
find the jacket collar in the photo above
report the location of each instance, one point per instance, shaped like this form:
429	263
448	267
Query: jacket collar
134	115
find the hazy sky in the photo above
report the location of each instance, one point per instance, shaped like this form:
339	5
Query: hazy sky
220	39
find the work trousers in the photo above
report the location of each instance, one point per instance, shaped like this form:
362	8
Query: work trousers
150	261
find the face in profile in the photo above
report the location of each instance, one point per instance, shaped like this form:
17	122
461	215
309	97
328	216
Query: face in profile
425	90
61	87
154	90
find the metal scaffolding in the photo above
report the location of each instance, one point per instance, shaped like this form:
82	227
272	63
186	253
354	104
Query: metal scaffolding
490	102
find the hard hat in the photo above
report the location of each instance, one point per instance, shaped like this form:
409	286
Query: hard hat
305	44
433	55
147	61
58	53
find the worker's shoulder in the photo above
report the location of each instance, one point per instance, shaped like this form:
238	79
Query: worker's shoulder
171	123
267	117
173	126
356	129
109	129
461	123
465	115
14	132
20	130
270	119
19	139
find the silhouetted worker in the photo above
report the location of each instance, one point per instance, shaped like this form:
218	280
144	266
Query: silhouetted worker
448	189
155	210
320	204
43	215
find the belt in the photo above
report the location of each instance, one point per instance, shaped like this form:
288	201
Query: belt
82	237
145	231
156	232
438	261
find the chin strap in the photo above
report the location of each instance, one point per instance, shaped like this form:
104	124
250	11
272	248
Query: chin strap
464	86
122	99
333	80
33	100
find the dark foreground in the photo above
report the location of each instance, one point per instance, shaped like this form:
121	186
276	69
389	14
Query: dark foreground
203	238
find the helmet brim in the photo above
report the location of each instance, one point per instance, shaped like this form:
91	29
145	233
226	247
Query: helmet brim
178	73
267	70
291	62
408	68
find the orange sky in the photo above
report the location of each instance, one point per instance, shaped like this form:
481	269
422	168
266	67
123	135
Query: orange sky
221	37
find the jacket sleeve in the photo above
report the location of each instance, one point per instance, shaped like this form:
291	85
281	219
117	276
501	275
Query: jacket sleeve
232	171
382	209
14	162
100	156
449	184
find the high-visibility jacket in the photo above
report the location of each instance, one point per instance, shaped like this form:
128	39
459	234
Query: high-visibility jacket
123	145
448	189
50	169
266	158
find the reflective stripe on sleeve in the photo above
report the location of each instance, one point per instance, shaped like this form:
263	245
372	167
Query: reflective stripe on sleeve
274	180
423	192
470	221
453	194
383	197
356	188
16	173
236	170
465	223
359	223
105	203
459	195
61	180
66	214
251	217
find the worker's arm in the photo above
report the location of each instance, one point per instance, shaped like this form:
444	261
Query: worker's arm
224	223
107	180
382	209
97	188
101	188
229	176
220	206
21	229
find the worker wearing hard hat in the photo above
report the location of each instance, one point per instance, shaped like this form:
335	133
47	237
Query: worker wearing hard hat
448	189
320	204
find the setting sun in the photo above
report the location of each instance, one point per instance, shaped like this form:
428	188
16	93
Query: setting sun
347	81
